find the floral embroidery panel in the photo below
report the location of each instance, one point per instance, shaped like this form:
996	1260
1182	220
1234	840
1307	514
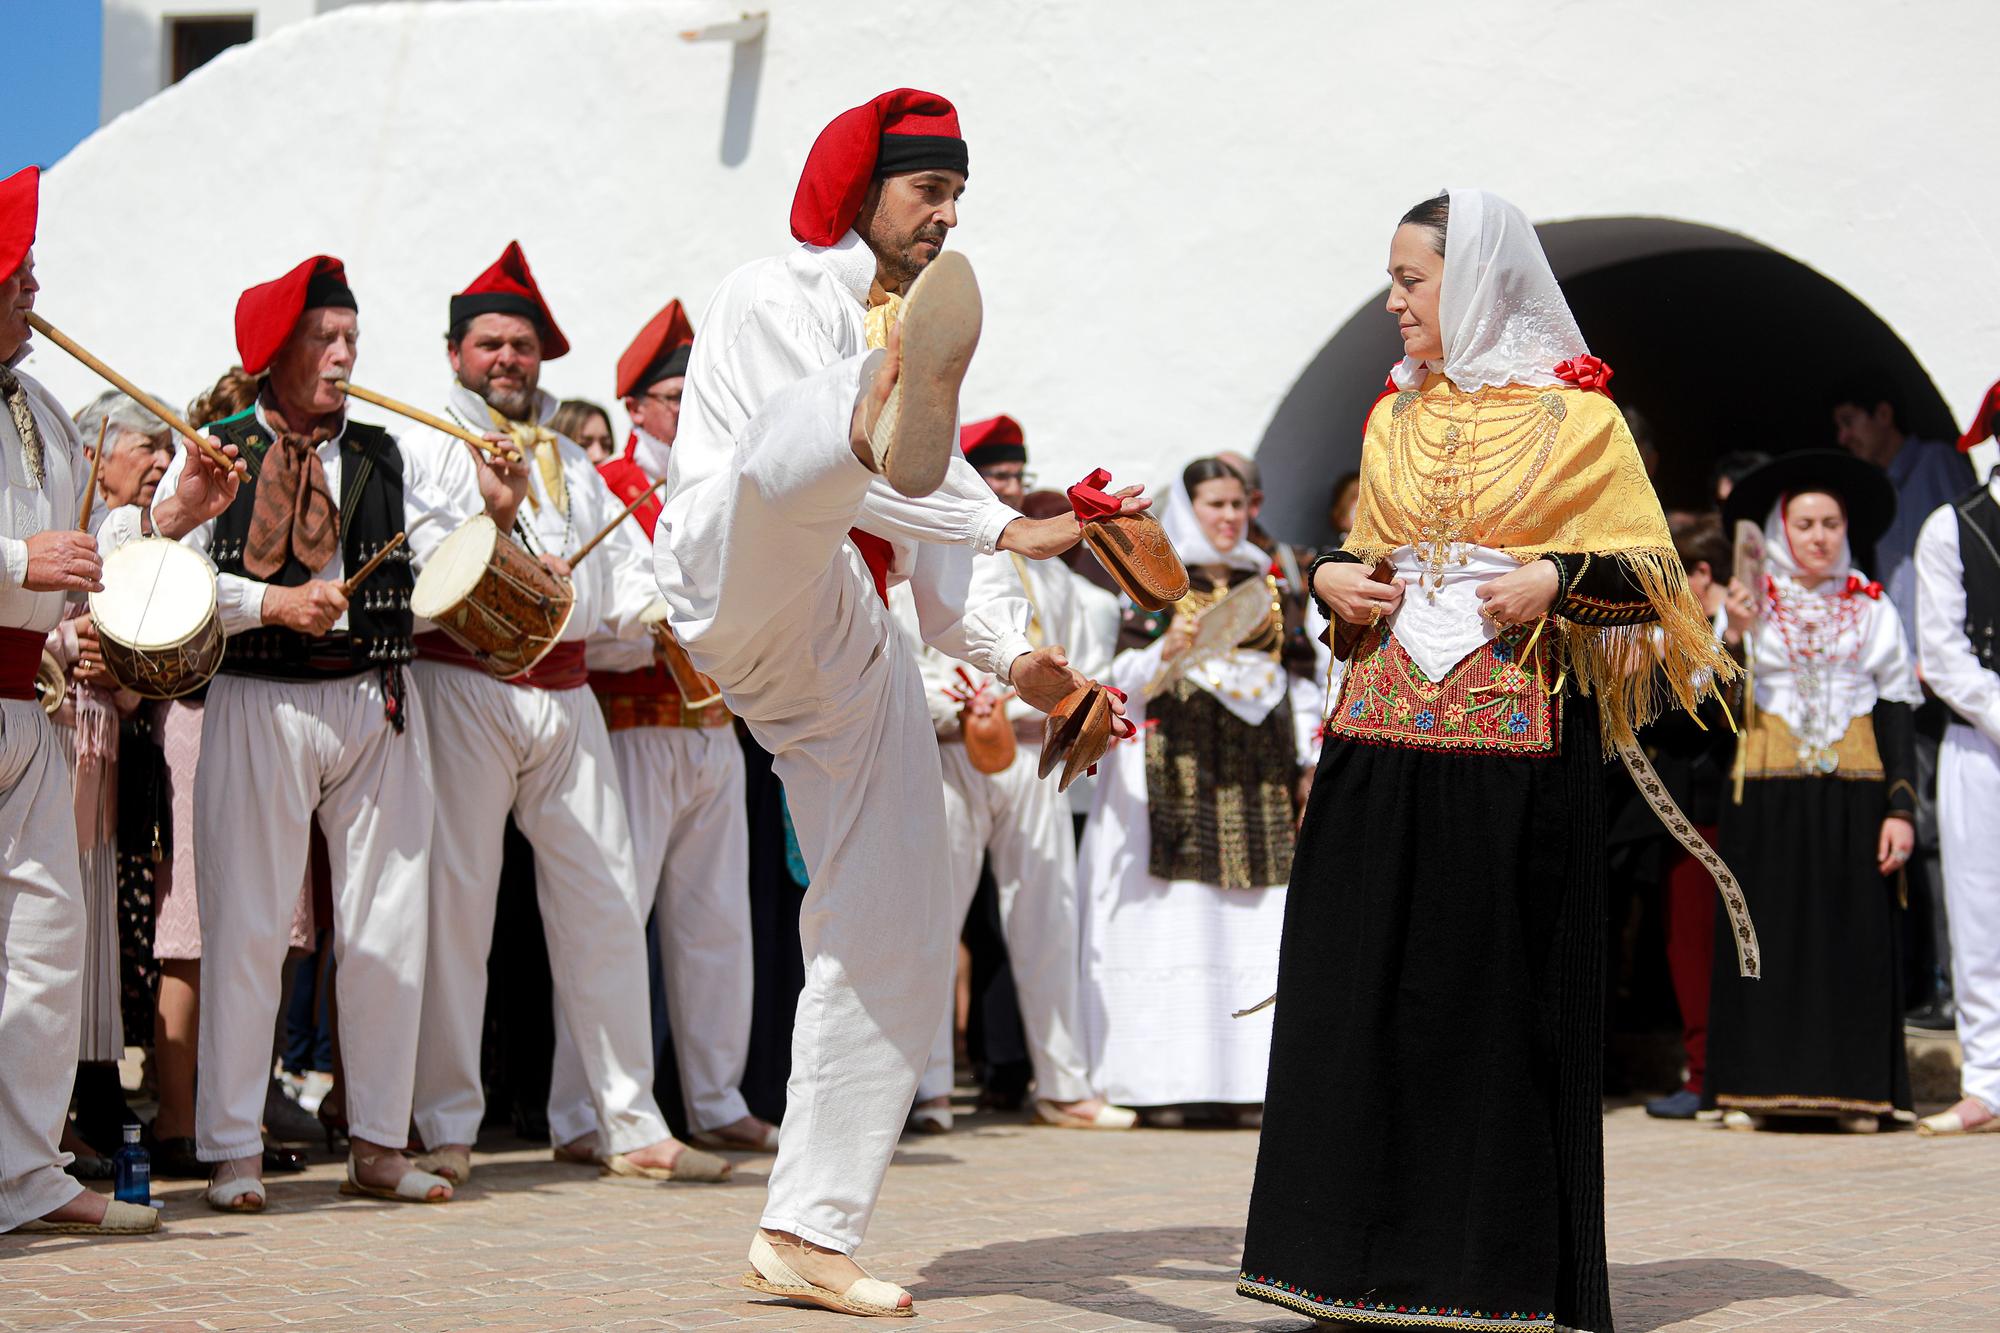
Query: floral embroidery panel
1493	699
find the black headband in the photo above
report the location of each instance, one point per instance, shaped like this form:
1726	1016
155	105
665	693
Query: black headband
470	305
902	153
328	290
664	367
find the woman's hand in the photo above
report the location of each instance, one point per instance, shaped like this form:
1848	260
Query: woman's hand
1177	640
1895	843
1521	595
1352	592
1741	609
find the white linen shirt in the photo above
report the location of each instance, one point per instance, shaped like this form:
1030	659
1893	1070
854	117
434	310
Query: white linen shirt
1950	667
777	320
1881	668
26	509
1051	593
239	599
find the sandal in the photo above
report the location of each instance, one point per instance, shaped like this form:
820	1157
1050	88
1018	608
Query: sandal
766	1141
451	1162
238	1194
120	1219
930	1120
692	1165
868	1297
916	435
413	1186
1951	1124
1107	1117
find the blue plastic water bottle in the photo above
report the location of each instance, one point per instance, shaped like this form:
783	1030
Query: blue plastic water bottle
133	1170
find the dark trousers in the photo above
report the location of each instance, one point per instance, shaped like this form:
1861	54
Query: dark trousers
1690	922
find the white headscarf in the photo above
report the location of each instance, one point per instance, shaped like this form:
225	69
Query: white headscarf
1503	315
1193	545
1779	562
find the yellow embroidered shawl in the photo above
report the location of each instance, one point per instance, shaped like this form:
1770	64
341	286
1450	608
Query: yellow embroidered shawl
1545	470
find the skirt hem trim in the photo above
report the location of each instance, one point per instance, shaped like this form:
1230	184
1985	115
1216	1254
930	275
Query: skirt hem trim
1385	1314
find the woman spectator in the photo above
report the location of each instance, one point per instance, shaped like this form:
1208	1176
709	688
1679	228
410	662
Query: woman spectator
1190	842
1825	820
589	425
136	447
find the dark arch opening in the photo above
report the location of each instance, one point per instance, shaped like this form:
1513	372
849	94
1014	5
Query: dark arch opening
1721	342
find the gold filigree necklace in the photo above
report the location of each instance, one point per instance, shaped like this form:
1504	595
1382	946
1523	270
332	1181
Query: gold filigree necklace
1454	458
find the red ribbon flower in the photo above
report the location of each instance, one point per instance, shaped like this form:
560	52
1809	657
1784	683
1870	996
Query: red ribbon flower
1090	500
1872	589
1586	372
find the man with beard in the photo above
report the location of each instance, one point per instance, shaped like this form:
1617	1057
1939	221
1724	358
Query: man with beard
535	745
808	472
681	772
1018	819
309	719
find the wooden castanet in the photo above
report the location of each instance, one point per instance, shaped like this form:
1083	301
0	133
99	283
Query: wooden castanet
431	419
137	394
612	526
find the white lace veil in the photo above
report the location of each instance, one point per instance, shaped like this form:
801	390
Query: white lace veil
1504	317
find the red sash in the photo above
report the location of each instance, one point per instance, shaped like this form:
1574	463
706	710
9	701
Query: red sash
651	682
20	660
561	669
877	554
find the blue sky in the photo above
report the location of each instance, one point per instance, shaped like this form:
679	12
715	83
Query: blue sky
54	63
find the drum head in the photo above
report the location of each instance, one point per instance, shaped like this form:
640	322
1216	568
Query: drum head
156	593
454	568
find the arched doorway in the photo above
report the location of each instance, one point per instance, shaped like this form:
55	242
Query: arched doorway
1723	344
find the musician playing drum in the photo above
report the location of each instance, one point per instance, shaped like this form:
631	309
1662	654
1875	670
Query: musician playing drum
535	744
311	716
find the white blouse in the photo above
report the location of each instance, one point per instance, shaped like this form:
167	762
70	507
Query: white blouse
1823	658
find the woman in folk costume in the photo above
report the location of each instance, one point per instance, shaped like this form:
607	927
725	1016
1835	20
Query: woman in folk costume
1825	821
1190	841
1446	903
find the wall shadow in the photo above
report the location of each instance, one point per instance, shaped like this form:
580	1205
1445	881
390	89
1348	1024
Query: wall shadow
739	116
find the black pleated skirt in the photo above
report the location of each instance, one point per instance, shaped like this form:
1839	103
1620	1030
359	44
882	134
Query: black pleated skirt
1432	1153
1821	1032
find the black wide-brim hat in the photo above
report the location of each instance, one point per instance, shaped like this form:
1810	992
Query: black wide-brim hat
1863	489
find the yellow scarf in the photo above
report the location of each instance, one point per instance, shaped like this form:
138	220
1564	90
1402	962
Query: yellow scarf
538	442
1529	471
885	311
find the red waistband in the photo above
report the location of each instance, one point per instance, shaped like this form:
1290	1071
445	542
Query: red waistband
561	669
877	555
20	660
649	681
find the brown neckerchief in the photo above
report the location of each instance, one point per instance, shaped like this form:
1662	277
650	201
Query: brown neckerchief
294	513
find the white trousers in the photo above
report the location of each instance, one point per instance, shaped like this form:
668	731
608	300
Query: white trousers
41	964
1023	824
683	791
275	754
809	658
1969	843
544	755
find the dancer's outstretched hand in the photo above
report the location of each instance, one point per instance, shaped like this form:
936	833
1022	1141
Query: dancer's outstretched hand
1044	677
1046	538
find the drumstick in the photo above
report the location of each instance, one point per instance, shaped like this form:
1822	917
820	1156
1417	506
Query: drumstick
431	419
90	487
347	588
612	526
137	394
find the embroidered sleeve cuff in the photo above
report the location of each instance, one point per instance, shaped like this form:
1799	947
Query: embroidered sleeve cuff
1597	592
15	554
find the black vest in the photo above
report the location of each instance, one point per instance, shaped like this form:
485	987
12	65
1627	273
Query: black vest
371	512
1979	557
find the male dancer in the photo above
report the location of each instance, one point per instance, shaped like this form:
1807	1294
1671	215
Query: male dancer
536	745
1020	820
792	433
681	771
1958	615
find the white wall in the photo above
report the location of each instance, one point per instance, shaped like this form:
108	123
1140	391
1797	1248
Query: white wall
1173	204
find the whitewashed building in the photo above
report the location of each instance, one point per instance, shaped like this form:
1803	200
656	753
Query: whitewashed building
1179	211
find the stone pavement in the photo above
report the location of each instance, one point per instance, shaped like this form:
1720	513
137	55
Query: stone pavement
1004	1226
